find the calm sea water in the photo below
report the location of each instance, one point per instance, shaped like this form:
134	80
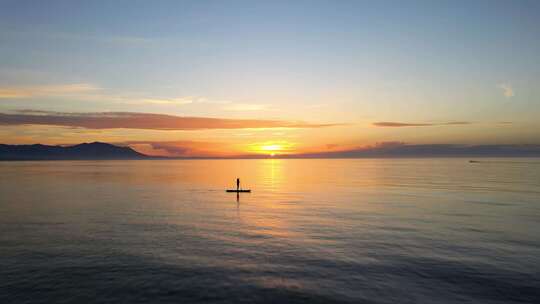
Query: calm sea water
312	231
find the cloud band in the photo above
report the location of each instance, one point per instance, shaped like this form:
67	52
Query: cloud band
393	124
129	120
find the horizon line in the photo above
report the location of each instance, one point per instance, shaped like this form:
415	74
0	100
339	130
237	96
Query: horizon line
394	150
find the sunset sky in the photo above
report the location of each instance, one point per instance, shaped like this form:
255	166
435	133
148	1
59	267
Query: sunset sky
226	78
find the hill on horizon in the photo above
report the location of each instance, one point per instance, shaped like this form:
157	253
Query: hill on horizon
90	151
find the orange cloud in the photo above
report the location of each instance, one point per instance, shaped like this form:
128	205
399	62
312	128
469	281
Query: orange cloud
129	120
50	90
404	124
185	148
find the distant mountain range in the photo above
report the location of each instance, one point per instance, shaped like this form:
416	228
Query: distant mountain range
401	150
95	150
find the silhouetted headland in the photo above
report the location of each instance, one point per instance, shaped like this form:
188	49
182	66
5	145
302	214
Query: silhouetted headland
84	151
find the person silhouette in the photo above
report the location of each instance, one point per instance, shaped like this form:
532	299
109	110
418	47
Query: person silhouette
237	184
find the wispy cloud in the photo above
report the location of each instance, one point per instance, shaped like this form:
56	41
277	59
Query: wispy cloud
92	93
507	90
180	148
246	107
394	124
129	120
121	40
47	90
87	92
162	101
184	100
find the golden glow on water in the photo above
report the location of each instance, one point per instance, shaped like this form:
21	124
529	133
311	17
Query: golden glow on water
283	190
272	172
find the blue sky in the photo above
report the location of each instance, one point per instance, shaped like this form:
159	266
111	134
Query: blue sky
353	62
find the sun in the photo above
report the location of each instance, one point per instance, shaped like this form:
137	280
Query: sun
271	148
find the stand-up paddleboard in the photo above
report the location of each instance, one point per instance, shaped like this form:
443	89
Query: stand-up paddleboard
238	191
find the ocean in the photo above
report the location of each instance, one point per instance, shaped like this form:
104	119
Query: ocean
440	230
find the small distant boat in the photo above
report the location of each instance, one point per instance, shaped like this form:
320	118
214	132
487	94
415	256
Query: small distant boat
473	161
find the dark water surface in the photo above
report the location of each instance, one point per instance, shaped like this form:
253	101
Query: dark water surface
312	231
